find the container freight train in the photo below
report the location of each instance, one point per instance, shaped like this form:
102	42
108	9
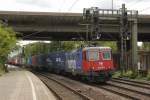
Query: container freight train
94	64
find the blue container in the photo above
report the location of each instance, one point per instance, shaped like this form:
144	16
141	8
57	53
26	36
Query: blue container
79	59
29	61
51	61
56	61
74	62
41	60
70	62
61	59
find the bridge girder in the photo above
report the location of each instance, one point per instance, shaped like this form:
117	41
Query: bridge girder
65	26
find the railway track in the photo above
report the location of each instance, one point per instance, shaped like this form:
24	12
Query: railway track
62	91
122	88
132	81
125	92
89	90
131	89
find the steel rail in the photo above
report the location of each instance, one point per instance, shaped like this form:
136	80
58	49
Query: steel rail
134	81
128	89
131	83
69	88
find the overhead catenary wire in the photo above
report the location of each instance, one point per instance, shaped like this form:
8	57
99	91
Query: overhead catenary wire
99	2
135	3
61	5
145	9
74	3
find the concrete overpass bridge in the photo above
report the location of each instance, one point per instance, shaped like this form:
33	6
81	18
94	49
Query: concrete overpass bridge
66	26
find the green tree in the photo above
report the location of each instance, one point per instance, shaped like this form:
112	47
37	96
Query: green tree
146	46
36	48
7	43
39	47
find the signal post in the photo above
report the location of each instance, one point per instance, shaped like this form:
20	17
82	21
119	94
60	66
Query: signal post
128	33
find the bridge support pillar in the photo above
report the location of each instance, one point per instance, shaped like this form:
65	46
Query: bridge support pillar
134	55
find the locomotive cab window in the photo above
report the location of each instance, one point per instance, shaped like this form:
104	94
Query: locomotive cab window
92	55
106	55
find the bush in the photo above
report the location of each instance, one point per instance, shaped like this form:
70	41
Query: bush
1	69
132	75
148	76
128	74
7	43
117	74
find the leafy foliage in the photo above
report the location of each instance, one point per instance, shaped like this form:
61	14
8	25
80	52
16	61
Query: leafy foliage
36	48
7	42
148	75
40	47
146	46
127	74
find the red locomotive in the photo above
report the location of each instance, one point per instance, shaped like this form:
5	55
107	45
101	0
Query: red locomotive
97	63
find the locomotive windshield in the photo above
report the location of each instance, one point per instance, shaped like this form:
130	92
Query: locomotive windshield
92	55
106	55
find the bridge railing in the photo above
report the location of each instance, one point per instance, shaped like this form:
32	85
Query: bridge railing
117	13
111	13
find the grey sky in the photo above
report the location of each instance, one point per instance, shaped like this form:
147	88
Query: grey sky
67	5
